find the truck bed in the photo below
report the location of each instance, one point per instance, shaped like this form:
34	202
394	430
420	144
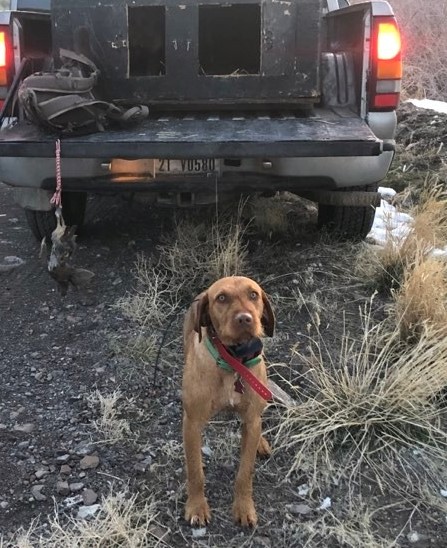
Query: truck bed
323	133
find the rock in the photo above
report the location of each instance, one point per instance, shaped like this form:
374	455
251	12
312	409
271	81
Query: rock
36	492
299	509
413	536
84	448
63	458
41	473
303	490
89	497
262	542
4	504
65	470
198	532
72	501
207	451
28	427
160	533
85	512
143	465
75	487
63	488
10	262
89	462
327	503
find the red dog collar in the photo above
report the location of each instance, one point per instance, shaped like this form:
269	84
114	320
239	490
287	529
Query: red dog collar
240	368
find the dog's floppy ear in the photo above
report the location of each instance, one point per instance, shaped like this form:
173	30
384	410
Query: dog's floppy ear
202	317
268	317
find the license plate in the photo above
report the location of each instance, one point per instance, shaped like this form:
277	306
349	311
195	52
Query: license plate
125	170
185	167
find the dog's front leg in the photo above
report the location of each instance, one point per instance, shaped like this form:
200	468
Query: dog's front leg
197	511
243	506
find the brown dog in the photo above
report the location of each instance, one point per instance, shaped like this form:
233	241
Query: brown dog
237	311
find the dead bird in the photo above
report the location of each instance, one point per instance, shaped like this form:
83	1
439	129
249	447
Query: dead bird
63	245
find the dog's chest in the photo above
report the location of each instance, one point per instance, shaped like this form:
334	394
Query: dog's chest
232	392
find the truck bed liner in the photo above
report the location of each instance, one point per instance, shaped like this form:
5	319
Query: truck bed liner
323	134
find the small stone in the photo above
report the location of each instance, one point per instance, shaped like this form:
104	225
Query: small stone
198	532
62	488
327	503
75	487
84	448
299	509
207	451
85	512
72	501
89	462
65	470
262	542
28	427
41	473
89	497
36	492
303	489
63	458
413	537
160	533
4	504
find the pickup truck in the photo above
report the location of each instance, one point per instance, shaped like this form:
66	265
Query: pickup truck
245	97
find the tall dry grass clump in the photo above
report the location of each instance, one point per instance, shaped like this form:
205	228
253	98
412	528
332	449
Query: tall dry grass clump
367	406
422	299
191	257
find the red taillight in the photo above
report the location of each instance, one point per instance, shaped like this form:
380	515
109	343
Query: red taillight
388	41
3	57
386	71
2	49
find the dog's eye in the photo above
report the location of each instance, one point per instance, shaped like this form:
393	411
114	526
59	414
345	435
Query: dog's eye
253	295
222	298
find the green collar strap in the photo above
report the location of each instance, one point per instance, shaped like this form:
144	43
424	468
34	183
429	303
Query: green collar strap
221	362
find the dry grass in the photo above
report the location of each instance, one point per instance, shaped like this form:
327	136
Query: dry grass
424	47
121	521
422	299
424	43
109	424
367	405
191	257
352	530
385	268
269	216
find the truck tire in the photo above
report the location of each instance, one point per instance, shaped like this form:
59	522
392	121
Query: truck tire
348	223
42	223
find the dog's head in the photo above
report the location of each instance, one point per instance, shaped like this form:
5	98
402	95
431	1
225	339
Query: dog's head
238	310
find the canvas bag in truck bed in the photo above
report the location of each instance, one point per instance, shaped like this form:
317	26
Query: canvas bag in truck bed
64	101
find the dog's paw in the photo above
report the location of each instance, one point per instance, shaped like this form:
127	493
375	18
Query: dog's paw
244	512
264	449
197	511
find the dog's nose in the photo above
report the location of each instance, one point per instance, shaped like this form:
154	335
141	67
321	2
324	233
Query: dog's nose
244	318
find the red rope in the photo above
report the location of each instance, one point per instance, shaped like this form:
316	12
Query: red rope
56	200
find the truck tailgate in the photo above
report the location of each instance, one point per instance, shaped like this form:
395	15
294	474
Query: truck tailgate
324	133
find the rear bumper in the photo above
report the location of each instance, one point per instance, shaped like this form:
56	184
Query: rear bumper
324	150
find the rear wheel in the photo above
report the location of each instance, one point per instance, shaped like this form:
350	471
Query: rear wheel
348	223
42	223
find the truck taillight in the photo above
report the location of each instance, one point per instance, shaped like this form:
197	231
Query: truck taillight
3	58
386	72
